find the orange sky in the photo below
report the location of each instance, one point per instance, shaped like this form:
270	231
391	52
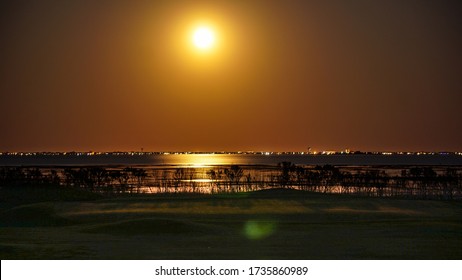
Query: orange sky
284	75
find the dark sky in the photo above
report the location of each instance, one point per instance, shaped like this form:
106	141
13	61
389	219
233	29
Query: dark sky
283	76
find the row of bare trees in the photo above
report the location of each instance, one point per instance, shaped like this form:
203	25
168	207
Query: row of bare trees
414	182
94	179
411	182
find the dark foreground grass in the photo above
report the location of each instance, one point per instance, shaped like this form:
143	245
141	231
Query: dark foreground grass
273	224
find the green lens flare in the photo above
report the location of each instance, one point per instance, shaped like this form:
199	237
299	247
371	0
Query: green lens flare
259	229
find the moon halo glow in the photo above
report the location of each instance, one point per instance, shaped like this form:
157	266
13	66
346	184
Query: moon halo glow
203	38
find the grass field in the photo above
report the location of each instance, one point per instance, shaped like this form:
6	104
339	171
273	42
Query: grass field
270	224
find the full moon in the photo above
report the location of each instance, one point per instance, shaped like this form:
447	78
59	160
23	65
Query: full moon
203	38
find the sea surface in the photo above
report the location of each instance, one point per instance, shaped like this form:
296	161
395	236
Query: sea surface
197	160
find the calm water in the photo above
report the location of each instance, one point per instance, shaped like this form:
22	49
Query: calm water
197	160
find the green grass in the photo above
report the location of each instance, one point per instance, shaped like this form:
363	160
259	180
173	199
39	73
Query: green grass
272	224
14	196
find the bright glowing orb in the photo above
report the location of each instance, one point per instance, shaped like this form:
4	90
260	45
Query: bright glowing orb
203	38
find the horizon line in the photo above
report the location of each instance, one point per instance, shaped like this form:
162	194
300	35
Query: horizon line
262	152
